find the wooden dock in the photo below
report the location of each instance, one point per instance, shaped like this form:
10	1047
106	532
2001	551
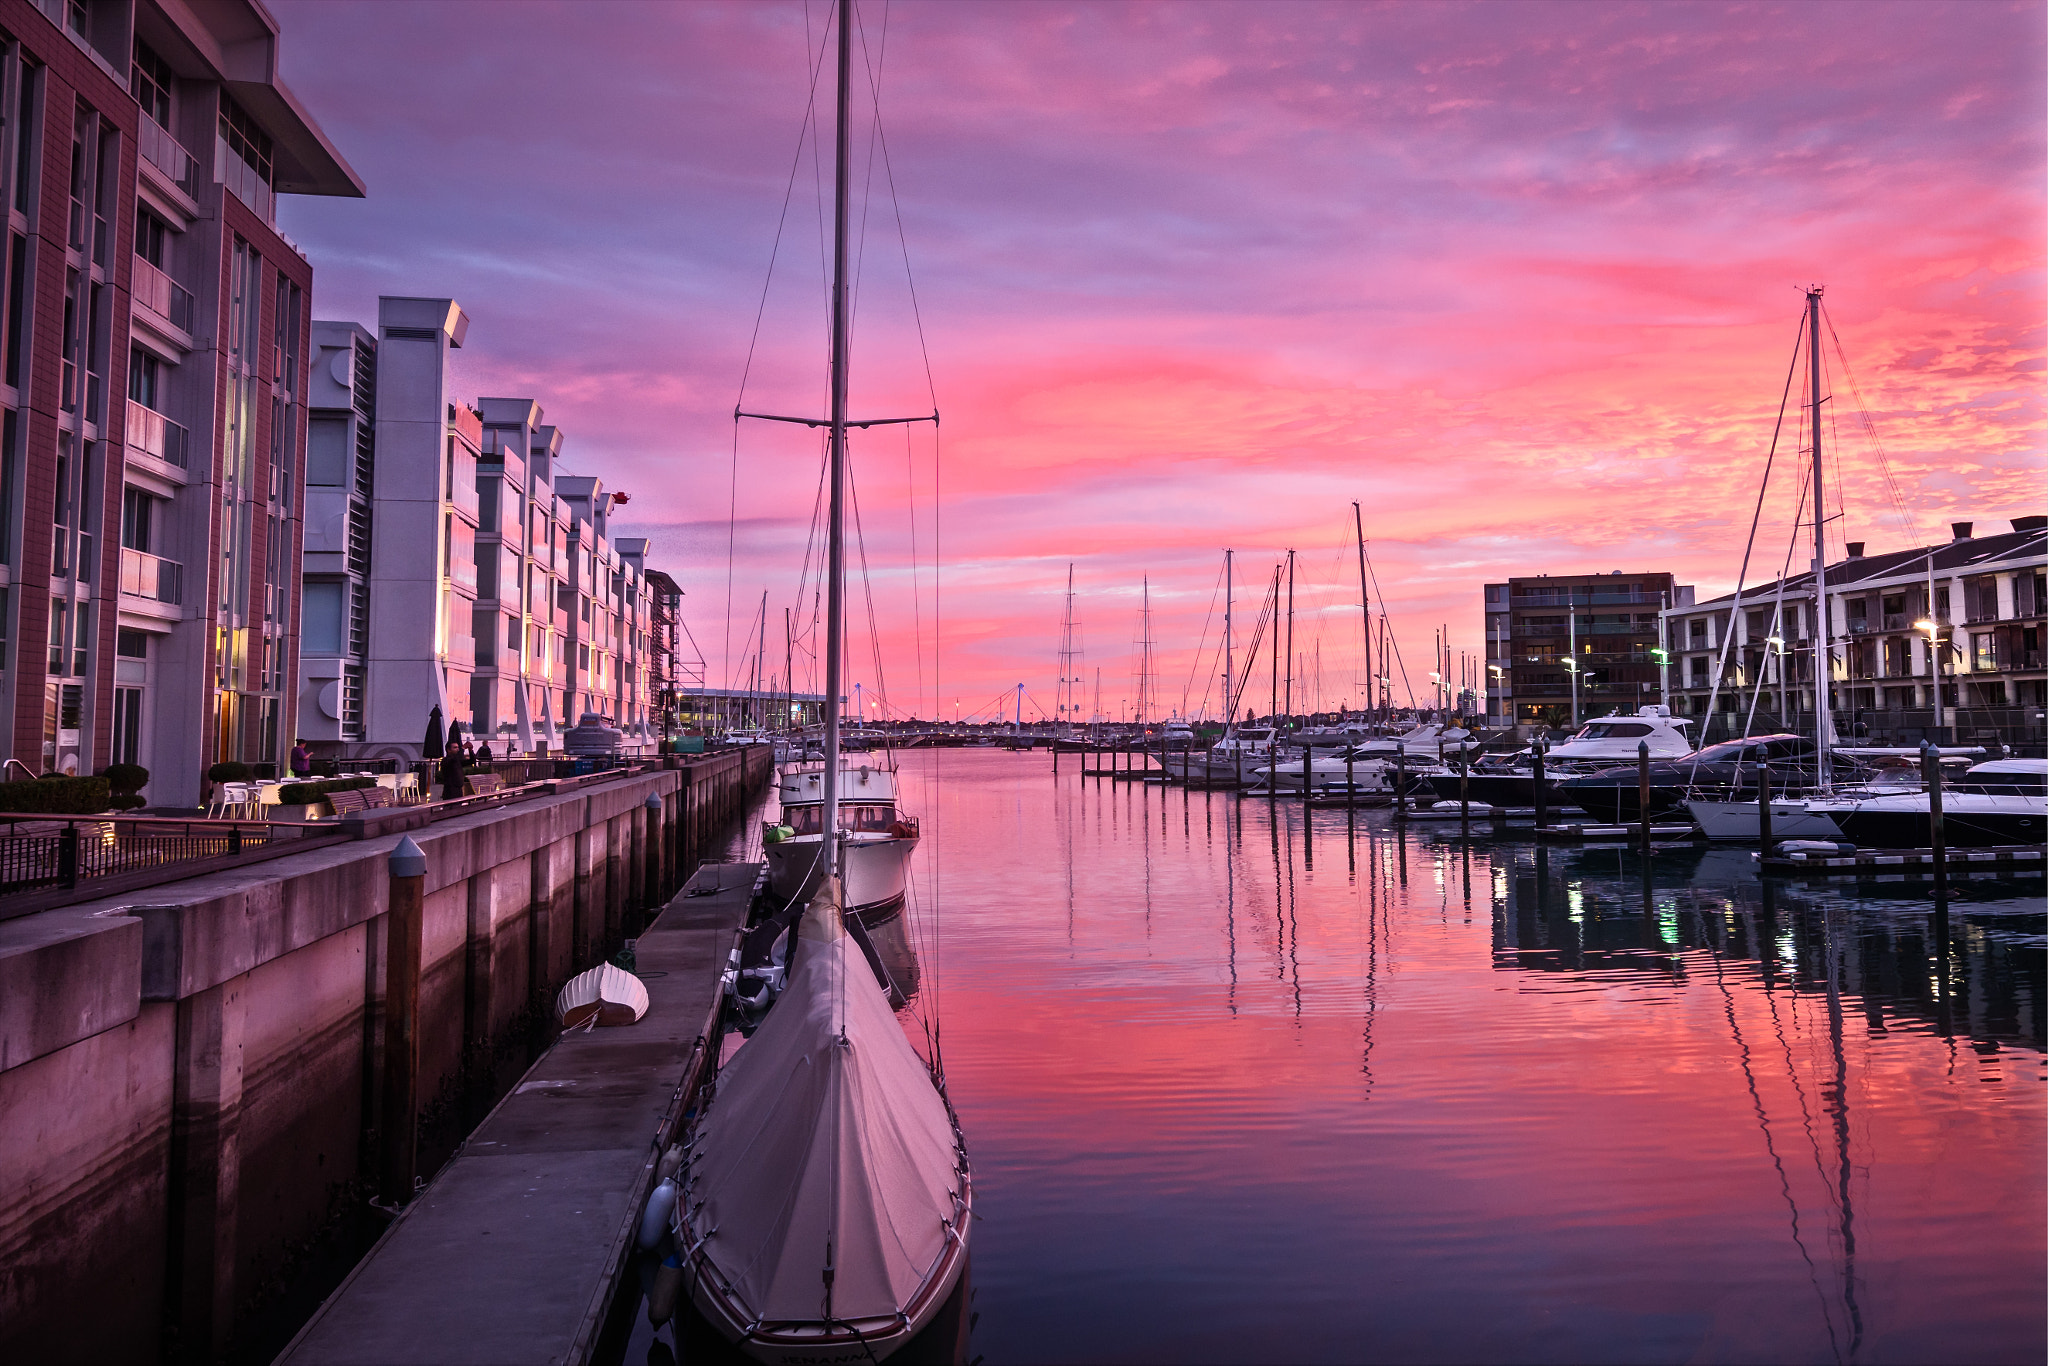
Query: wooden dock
2022	859
513	1253
1614	834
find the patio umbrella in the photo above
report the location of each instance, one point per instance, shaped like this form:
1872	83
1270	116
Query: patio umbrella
434	748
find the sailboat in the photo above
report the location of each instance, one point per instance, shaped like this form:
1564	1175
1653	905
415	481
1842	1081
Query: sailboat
826	1198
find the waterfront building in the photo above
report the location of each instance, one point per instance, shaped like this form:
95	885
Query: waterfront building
153	364
1981	644
1560	646
452	562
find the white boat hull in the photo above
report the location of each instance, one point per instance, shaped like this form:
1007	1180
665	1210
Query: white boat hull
877	870
1737	821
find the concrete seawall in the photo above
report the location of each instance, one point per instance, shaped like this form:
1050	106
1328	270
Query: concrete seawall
190	1076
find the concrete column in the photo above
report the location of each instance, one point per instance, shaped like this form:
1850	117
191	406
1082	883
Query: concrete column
583	935
540	929
206	1168
479	961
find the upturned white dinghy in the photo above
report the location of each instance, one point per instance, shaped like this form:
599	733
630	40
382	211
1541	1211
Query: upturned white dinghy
826	1199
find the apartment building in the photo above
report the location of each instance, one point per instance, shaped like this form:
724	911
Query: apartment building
1981	644
1563	647
153	327
453	562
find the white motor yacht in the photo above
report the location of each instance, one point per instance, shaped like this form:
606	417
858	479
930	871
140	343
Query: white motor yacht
877	838
1614	740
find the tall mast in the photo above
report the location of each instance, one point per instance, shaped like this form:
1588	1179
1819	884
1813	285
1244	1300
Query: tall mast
1145	699
1823	661
1372	688
835	532
1229	713
1289	709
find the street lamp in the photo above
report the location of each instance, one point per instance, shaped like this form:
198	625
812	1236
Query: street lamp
1933	630
1663	658
1571	666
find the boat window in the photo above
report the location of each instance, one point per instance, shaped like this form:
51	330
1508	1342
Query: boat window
803	819
1614	730
1727	752
1788	748
869	817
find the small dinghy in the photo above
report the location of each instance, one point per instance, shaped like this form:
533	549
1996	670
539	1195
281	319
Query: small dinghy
826	1199
613	995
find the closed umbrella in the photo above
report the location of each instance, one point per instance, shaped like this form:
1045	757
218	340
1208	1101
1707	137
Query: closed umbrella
434	748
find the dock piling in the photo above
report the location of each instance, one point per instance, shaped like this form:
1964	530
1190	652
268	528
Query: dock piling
1937	839
1763	807
1643	790
404	919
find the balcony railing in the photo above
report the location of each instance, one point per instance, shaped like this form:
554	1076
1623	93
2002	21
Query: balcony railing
162	295
165	153
243	181
151	576
150	432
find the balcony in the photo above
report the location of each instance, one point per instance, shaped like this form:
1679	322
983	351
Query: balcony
243	181
163	151
152	577
162	295
152	434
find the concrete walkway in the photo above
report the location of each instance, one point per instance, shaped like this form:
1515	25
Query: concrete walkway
510	1254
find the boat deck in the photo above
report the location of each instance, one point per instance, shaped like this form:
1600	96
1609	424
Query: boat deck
512	1253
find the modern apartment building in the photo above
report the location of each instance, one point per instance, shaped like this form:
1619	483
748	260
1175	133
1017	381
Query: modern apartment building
452	562
1984	634
1561	647
153	365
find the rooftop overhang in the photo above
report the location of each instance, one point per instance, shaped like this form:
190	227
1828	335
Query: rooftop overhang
305	161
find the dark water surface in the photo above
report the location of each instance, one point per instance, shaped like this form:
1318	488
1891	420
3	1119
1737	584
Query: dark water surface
1237	1089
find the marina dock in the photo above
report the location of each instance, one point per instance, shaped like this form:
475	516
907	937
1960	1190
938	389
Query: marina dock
514	1251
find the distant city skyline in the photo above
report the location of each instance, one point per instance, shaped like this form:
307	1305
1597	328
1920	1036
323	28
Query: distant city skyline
1522	280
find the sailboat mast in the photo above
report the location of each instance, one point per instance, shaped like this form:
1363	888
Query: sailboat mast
1365	606
1289	709
1229	714
835	533
1823	657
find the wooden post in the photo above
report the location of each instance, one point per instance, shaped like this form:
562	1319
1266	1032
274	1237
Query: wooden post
1643	790
1400	781
651	882
1307	773
1536	749
1464	792
1763	807
1930	767
404	919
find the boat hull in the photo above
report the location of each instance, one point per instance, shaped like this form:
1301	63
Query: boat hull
1968	821
876	874
1736	822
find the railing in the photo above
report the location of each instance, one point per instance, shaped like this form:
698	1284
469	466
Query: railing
165	153
162	295
155	435
62	851
1585	599
242	180
150	576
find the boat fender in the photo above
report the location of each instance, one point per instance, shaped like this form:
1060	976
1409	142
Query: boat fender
670	1161
666	1290
1827	847
654	1219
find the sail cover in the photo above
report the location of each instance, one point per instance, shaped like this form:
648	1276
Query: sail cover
825	1130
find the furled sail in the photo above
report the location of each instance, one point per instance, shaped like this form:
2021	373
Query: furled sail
827	1182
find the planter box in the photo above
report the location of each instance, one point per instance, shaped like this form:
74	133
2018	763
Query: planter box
299	815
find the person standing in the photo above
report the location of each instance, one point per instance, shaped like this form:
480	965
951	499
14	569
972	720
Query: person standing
450	775
302	760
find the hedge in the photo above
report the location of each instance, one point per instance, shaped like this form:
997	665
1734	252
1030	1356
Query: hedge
126	777
305	794
229	771
55	796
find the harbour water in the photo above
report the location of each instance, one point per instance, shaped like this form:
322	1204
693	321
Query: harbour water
1248	1083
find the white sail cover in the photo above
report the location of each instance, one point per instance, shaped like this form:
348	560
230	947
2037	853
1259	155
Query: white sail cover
810	1139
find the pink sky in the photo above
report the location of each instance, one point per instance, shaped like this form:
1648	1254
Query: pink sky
1520	279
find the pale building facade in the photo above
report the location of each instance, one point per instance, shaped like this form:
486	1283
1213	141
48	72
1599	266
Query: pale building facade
453	562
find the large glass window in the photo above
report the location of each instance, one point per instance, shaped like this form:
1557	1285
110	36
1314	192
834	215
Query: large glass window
149	80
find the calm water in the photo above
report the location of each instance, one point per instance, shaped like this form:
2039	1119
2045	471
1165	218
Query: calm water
1239	1089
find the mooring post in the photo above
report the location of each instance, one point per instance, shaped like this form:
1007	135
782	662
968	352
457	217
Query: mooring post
654	898
1400	781
1536	748
1464	791
1643	790
1930	766
403	921
1307	772
1763	807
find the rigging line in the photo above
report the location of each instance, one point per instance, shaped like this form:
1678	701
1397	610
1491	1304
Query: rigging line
1741	574
1200	646
1906	521
1393	641
902	237
867	582
805	129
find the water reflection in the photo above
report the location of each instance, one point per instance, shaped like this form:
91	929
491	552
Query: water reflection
1249	1081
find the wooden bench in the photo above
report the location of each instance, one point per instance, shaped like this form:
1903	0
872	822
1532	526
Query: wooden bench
349	801
483	784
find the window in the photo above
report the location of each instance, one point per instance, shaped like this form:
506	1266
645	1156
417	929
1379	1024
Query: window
127	725
320	617
149	80
1980	598
138	514
152	239
131	644
1696	632
245	139
146	375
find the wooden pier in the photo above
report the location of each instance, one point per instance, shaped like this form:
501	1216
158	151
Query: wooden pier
2022	859
516	1250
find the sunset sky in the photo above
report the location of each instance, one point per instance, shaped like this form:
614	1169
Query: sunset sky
1523	280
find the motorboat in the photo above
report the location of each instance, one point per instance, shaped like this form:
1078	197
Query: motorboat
1969	820
876	838
1337	773
1717	773
1234	758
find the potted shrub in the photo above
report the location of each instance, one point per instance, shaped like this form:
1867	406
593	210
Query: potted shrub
126	782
